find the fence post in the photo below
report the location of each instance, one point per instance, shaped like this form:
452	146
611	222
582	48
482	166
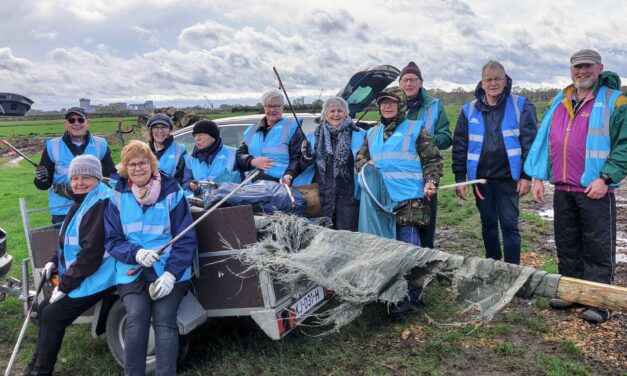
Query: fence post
120	137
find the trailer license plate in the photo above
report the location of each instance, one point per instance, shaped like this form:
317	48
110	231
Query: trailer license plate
306	302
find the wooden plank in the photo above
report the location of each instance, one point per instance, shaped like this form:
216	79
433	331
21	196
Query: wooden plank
592	294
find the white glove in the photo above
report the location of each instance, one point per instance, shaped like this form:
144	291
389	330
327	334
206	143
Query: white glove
46	272
162	287
57	295
146	257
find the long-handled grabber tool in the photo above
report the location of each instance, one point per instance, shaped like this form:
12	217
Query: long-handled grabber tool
23	331
191	226
19	152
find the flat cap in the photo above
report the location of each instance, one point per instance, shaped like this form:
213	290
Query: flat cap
585	57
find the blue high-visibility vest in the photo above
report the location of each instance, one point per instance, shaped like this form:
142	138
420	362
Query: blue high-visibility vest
104	277
510	128
222	164
61	156
150	230
306	177
398	160
170	158
275	146
597	140
430	116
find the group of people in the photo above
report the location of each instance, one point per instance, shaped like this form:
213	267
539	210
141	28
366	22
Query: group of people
112	238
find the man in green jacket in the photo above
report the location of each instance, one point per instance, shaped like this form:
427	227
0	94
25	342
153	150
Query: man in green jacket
581	148
421	106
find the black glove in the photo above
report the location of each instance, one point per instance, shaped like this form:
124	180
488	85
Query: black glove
41	173
304	149
64	190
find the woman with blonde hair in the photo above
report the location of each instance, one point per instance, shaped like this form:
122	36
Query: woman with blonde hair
146	210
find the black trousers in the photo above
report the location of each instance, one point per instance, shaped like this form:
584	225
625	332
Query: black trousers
427	233
585	235
53	319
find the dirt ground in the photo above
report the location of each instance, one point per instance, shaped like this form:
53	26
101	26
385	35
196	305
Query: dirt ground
605	345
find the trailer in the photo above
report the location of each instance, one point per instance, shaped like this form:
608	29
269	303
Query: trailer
222	285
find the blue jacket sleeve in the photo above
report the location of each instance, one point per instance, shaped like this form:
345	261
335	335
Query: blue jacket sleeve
183	249
115	240
528	130
188	176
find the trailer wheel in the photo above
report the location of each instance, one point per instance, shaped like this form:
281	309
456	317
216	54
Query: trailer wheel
116	330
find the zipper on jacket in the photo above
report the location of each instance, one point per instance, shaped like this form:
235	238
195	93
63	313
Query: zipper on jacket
570	122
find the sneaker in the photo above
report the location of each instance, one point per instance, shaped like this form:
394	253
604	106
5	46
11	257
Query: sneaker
400	308
596	315
560	304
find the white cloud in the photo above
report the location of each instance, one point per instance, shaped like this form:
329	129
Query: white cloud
47	35
146	49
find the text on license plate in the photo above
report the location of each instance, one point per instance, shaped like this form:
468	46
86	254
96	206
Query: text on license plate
307	301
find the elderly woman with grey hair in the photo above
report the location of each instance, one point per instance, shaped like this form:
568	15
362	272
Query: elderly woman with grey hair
273	144
328	160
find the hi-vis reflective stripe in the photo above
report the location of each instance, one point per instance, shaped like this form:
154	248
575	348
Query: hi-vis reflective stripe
597	132
71	240
55	149
512	152
274	149
475	137
408	133
132	227
473	156
402	175
398	155
511	132
154	229
599	154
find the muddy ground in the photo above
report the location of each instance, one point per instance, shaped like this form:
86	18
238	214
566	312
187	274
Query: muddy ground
603	346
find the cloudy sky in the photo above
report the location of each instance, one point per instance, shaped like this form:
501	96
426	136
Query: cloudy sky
178	52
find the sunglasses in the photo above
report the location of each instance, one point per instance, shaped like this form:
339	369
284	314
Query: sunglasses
74	120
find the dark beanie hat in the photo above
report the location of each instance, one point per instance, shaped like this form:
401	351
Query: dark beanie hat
411	68
207	127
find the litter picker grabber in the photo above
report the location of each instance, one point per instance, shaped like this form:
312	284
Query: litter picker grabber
23	331
191	226
19	152
287	98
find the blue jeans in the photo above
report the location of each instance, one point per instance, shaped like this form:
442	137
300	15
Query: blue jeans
499	207
140	308
408	234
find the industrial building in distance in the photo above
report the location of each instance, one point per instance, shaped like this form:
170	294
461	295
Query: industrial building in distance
86	105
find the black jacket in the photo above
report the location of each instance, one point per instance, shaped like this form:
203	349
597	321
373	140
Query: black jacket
108	167
243	159
493	161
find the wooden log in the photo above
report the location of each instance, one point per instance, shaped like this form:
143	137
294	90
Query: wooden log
592	294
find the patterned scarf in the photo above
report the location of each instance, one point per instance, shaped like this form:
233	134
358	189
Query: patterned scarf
149	193
323	150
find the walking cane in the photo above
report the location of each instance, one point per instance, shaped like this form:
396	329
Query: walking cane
23	331
213	208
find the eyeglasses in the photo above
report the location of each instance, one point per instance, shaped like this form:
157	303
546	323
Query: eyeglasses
408	80
74	120
494	80
273	106
142	165
160	129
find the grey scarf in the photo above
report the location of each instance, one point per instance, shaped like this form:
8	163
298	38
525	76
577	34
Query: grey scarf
323	150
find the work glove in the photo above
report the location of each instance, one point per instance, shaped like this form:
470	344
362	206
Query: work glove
41	173
304	149
146	257
64	190
162	287
57	295
46	272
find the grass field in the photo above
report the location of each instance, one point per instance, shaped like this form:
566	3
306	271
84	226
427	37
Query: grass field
523	339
